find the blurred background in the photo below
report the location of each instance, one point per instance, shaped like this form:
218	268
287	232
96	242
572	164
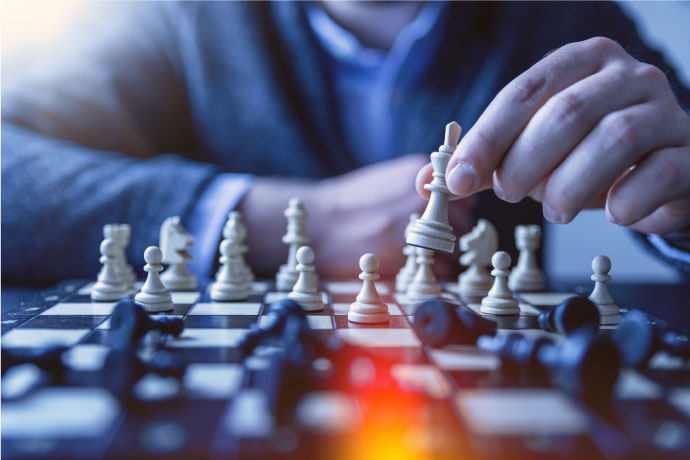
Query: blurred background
569	248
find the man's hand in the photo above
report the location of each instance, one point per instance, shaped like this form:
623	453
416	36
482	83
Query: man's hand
587	126
366	210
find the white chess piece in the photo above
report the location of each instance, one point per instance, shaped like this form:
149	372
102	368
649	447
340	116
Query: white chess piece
405	275
500	300
120	234
424	285
110	285
174	243
231	281
526	276
368	308
235	222
296	237
608	310
478	246
432	230
153	295
305	291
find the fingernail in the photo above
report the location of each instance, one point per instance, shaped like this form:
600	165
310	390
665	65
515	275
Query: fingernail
462	178
550	214
611	218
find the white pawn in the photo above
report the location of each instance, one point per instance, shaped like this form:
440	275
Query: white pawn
296	237
526	276
305	291
608	310
153	295
405	275
369	308
120	234
234	223
231	282
500	300
110	285
424	285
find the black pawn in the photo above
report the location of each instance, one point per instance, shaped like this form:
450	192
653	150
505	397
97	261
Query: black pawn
129	322
638	339
570	315
272	327
439	323
518	353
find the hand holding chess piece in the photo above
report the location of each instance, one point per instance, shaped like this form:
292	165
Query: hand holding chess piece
368	308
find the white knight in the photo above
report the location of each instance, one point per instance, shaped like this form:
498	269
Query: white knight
478	246
175	243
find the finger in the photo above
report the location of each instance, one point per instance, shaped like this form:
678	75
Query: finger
561	123
425	176
615	144
660	178
480	152
668	218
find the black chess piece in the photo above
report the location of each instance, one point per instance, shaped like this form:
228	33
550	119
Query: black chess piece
584	363
129	322
273	327
439	323
638	337
570	315
123	368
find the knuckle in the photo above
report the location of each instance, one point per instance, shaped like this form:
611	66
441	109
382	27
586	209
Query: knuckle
620	131
603	46
670	176
528	88
651	74
566	108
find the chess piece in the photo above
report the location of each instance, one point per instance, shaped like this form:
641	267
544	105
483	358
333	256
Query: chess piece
438	323
609	311
231	281
368	308
305	291
478	247
638	338
109	286
174	243
432	230
570	315
296	237
154	296
526	276
405	275
120	234
235	224
123	368
500	300
424	285
584	363
129	322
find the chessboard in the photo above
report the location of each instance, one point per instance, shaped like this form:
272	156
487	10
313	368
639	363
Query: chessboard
451	402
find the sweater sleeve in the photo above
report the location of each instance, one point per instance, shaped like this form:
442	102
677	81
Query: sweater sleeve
96	129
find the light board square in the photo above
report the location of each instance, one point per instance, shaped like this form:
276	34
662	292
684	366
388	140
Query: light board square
185	298
191	338
546	299
81	308
521	412
352	287
276	296
39	338
465	357
375	337
226	308
423	377
212	380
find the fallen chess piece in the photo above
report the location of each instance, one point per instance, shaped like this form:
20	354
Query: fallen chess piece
438	323
570	315
129	322
638	338
584	363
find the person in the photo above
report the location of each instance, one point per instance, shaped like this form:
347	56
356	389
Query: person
195	109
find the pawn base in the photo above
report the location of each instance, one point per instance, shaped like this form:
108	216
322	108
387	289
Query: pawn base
286	278
419	293
368	318
108	292
154	302
228	292
474	287
609	320
500	307
308	301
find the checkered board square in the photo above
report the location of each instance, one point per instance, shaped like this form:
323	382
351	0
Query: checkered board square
465	387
